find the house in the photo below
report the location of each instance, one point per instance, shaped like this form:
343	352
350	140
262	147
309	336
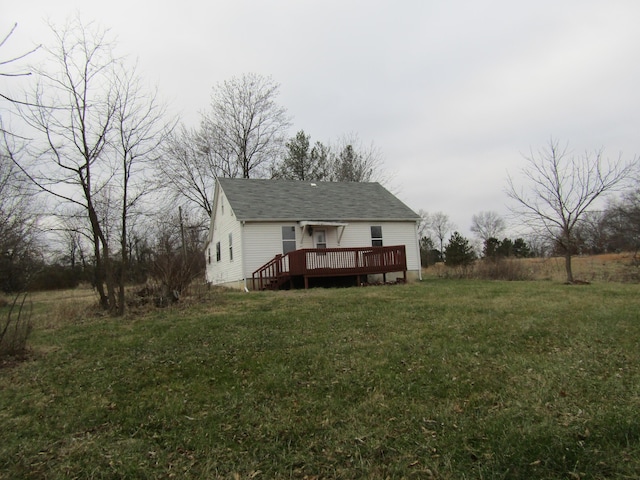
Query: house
285	233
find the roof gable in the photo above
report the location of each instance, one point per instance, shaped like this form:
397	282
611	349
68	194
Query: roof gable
291	200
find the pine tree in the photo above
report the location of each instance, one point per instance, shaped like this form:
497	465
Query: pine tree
458	251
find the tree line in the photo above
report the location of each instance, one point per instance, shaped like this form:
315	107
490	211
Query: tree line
559	209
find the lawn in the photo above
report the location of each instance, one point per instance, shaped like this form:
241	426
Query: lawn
446	379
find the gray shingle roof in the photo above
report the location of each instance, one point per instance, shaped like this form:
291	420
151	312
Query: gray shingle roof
290	200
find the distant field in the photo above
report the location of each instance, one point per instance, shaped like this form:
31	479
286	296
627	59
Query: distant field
609	267
444	379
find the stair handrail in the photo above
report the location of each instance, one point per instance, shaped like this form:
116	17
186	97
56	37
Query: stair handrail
271	270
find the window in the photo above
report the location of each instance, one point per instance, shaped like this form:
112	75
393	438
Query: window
218	254
230	246
288	239
209	255
376	236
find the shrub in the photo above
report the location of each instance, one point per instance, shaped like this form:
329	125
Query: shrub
631	272
491	269
55	277
501	269
16	328
171	274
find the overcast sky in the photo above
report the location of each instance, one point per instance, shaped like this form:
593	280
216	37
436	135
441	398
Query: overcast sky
453	93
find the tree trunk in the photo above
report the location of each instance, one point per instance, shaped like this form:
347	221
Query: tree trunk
104	268
567	266
98	274
568	252
124	260
110	280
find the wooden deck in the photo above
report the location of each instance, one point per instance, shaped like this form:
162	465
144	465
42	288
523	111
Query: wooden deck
308	263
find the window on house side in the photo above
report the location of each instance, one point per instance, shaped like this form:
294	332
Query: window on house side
288	239
230	246
376	236
209	255
218	253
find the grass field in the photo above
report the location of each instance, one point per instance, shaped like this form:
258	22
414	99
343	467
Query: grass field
443	379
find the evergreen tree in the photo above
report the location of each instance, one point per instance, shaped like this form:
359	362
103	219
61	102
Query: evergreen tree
458	251
349	166
521	249
303	162
491	247
506	248
295	164
429	255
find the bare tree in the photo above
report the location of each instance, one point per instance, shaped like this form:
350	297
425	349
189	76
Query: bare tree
177	257
440	226
425	223
90	125
188	169
19	232
591	232
71	110
140	130
561	189
74	239
487	225
538	244
241	135
245	126
429	254
622	222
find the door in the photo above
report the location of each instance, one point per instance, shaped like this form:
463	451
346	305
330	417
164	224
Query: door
319	260
320	238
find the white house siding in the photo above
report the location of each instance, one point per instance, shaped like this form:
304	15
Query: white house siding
263	241
358	234
393	233
225	271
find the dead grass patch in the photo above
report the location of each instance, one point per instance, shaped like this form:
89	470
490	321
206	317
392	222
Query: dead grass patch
55	309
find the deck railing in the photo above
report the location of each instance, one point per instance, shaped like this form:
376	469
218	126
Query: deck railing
327	262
